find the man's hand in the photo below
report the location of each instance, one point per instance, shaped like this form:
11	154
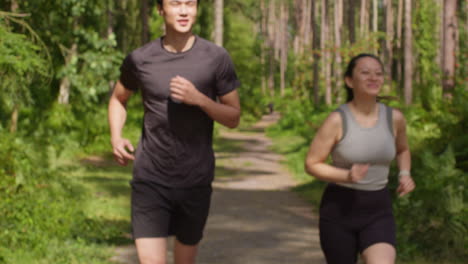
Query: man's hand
121	148
184	91
406	186
358	172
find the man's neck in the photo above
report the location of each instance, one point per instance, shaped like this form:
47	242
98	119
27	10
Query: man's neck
176	42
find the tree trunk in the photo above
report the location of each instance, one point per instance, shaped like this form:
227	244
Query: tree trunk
15	113
338	63
284	17
375	16
351	23
408	55
144	13
326	62
64	91
388	58
449	47
263	30
399	41
307	24
219	12
298	38
315	47
271	40
364	20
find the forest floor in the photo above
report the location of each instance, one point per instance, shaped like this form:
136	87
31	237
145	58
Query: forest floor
255	218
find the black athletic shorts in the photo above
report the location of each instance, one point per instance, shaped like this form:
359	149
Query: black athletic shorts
159	211
352	220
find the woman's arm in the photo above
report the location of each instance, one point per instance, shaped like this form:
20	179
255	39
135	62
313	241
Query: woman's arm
327	136
403	154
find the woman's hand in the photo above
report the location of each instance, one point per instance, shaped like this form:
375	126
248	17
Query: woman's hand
358	172
406	186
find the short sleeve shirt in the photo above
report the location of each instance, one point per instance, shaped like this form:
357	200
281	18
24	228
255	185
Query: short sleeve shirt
175	149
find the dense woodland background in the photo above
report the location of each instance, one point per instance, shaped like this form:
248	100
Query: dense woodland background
59	60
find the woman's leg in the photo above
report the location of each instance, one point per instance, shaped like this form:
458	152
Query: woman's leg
338	244
380	253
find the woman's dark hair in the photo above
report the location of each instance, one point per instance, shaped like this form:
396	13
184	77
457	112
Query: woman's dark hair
349	71
160	2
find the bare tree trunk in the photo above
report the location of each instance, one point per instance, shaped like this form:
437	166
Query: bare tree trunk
315	47
326	62
263	29
144	13
271	40
399	40
15	113
375	15
364	20
298	38
64	91
408	85
351	19
440	9
449	47
218	36
388	58
284	16
338	63
307	24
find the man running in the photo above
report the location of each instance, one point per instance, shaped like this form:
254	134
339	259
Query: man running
186	82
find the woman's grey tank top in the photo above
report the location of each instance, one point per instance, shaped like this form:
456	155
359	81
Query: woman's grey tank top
374	145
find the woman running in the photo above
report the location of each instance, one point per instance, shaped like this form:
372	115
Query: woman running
363	136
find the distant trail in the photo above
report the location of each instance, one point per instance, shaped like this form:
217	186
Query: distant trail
254	218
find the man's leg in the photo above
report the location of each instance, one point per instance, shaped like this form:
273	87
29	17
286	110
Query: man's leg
184	254
151	250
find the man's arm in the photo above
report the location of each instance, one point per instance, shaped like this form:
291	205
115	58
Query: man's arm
226	112
117	114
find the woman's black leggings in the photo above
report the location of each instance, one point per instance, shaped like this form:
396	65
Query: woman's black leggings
352	220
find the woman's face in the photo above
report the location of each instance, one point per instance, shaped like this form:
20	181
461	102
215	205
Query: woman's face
367	77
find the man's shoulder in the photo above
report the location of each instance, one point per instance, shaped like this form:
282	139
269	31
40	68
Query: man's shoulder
144	51
211	47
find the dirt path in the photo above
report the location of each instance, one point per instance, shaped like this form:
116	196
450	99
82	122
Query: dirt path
254	218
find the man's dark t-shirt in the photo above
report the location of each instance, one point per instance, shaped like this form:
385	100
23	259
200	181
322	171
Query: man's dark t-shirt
175	148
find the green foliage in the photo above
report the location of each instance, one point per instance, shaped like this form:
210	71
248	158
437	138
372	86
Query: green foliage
436	210
22	63
426	46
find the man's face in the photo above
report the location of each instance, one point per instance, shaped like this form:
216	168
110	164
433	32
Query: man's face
179	15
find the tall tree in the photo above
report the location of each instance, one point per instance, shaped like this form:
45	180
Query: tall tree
388	58
264	34
375	16
219	25
450	30
272	47
399	40
338	63
284	17
364	20
315	51
326	62
15	113
408	51
351	18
